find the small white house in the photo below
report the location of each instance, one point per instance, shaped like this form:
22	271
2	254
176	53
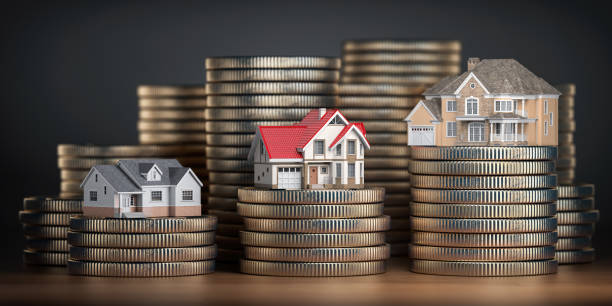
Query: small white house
324	150
142	188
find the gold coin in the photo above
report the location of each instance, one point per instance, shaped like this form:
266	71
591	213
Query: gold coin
87	163
467	240
284	62
394	68
441	46
231	230
481	167
566	176
169	240
238	153
172	138
128	151
165	103
232	140
50	204
575	256
226	217
387	126
171	126
484	211
484	196
318	226
576	230
244	179
267	88
293	240
483	226
575	204
141	269
284	75
481	254
573	243
578	217
567	151
147	114
222	203
373	253
376	114
230	191
387	175
310	211
377	102
388	151
386	163
566	138
567	126
391	187
47	245
483	182
223	165
67	186
462	268
311	196
397	199
45	258
156	91
146	225
45	232
397	58
256	114
144	255
312	269
576	191
285	101
425	80
40	218
485	153
381	90
243	126
567	162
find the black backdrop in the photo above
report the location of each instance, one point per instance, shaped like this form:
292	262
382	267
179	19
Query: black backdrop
70	69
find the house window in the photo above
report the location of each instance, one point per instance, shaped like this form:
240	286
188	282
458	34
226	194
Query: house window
319	147
336	120
504	106
93	196
187	195
497	129
339	149
361	172
545	106
451	129
261	146
351	170
361	148
338	170
323	170
104	189
545	128
96	178
550	118
471	106
451	106
351	147
472	85
132	200
476	131
156	195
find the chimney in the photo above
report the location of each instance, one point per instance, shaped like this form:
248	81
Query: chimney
472	62
322	112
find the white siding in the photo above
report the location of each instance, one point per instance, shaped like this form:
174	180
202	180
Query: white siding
264	174
188	182
104	200
146	197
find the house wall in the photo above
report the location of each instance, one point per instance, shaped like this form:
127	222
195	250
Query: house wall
442	139
260	154
106	203
183	207
421	117
264	175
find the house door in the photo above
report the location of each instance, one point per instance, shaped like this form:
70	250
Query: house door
314	175
421	136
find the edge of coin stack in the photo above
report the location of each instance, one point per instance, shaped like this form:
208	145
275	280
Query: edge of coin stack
45	223
576	210
381	82
149	247
566	163
485	222
312	237
245	92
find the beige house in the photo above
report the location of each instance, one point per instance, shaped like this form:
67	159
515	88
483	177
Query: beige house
495	102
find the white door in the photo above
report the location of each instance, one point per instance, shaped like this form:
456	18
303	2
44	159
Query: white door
289	178
421	136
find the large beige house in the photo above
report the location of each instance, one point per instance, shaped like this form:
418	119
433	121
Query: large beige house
495	102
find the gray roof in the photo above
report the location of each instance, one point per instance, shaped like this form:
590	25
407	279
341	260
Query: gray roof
434	105
172	170
117	178
499	76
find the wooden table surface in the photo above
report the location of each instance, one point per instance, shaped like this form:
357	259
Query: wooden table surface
573	285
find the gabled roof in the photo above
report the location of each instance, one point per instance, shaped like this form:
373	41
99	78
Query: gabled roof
133	168
432	106
358	127
314	124
115	177
282	141
498	76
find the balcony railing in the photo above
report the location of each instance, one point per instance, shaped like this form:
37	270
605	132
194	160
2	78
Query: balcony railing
508	137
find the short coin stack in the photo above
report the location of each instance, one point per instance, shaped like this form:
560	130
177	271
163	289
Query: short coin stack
148	247
566	164
246	92
75	161
483	211
174	115
381	82
45	225
577	216
313	232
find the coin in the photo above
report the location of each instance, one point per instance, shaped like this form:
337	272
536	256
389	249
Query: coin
377	102
373	253
567	126
146	225
578	217
230	178
387	139
226	216
391	187
243	126
387	126
45	258
285	101
381	90
567	89
71	195
391	79
397	68
230	191
461	268
575	256
141	269
285	62
396	58
376	114
70	187
295	114
442	46
47	245
565	138
38	218
483	196
238	153
232	140
169	240
147	114
292	240
576	230
166	103
576	191
267	88
322	226
387	151
53	205
485	153
566	114
484	182
483	240
575	204
224	165
171	91
310	211
285	75
171	127
221	203
573	243
567	150
530	225
310	196
483	211
565	176
569	162
481	254
481	167
386	163
144	255
45	232
387	175
128	151
171	138
312	269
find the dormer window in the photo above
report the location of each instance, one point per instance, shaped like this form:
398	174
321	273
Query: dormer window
336	120
154	174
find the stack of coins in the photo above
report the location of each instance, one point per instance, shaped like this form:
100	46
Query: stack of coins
483	211
577	217
148	247
244	93
313	232
381	82
566	164
75	161
45	225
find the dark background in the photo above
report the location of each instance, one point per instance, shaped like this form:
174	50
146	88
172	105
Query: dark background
70	69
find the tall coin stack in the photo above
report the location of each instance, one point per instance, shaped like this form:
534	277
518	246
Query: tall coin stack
313	232
45	225
381	82
577	217
566	164
143	247
483	211
246	92
75	161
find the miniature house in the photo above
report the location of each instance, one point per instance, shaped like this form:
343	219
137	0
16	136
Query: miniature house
324	150
495	102
141	188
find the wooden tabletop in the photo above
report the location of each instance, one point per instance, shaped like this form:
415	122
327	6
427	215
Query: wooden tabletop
573	285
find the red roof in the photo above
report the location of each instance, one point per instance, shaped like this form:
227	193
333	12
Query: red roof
285	141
